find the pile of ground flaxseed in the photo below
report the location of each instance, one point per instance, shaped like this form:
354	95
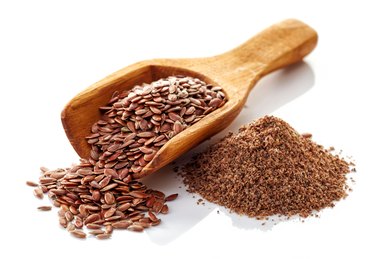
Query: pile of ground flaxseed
268	169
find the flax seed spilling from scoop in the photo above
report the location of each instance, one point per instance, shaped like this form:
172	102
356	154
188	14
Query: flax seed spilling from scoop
101	192
268	169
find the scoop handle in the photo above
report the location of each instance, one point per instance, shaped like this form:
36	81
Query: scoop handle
280	45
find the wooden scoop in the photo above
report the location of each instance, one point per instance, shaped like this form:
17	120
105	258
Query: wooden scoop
236	71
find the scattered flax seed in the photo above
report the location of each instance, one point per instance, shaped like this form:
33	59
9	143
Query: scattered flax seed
44	208
87	203
306	135
32	184
38	193
268	169
108	229
78	233
70	227
171	197
63	222
44	169
135	228
96	232
103	236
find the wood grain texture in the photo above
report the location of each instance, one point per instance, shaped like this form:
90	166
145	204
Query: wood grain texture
236	71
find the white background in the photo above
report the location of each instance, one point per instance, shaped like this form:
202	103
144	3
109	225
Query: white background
51	50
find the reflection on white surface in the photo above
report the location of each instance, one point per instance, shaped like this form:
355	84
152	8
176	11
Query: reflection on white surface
279	88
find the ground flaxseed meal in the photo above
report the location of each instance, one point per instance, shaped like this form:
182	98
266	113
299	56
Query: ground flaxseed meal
100	192
268	169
